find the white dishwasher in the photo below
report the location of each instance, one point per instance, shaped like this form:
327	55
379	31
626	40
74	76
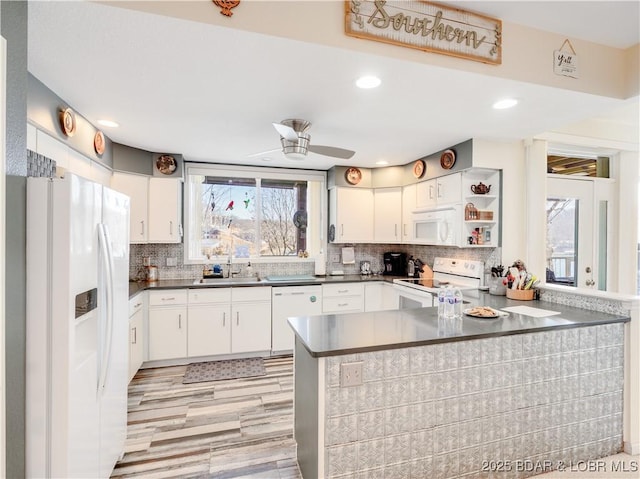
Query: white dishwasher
287	302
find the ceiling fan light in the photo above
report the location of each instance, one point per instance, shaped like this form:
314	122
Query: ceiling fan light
295	155
368	81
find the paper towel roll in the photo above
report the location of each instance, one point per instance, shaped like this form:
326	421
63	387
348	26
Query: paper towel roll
321	265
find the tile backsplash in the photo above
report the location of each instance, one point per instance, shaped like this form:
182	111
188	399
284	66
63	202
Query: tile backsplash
159	253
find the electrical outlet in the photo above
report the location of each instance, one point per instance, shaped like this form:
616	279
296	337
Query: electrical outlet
172	261
351	374
335	258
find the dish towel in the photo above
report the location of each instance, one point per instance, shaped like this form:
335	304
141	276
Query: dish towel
529	311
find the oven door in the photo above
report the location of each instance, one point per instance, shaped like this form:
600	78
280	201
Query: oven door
411	298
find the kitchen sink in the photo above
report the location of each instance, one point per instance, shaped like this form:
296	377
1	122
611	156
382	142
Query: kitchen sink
227	281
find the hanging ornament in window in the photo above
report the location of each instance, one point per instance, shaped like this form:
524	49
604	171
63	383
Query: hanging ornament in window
229	206
246	200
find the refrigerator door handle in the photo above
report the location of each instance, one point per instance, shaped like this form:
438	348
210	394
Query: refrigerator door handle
107	258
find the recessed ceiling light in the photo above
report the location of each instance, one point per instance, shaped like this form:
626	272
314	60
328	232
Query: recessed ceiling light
506	103
382	162
108	123
368	81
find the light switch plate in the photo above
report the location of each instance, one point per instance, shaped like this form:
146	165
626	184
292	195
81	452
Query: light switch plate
351	374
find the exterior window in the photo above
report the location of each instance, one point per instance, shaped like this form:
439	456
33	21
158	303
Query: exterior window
252	213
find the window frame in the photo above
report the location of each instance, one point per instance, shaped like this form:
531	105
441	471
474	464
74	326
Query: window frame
255	172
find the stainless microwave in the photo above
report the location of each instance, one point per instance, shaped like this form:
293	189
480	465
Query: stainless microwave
438	226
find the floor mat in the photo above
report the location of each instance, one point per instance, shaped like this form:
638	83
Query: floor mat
225	369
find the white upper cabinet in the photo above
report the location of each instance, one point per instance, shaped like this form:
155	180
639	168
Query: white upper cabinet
351	214
387	224
136	187
408	205
439	191
156	207
165	224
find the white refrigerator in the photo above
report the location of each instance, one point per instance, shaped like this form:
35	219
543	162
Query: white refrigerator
77	327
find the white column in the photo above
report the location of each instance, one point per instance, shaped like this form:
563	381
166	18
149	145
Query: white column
628	176
535	185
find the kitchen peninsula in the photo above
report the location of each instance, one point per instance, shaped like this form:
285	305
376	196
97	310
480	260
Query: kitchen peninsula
398	394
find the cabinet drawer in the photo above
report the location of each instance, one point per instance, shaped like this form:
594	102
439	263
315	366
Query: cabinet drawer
213	295
135	304
168	297
342	289
251	293
348	304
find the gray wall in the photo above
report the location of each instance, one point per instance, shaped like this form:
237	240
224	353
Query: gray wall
43	109
13	27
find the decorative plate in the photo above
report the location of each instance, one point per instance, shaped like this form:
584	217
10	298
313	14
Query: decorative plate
353	175
300	219
418	168
166	164
448	159
98	142
68	121
332	233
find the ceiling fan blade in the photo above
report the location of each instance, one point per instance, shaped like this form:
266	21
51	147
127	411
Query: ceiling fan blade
331	151
253	155
286	132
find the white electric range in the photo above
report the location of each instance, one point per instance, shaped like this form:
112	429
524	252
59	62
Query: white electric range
467	275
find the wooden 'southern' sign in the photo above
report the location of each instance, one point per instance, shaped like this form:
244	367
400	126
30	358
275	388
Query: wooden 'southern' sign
428	26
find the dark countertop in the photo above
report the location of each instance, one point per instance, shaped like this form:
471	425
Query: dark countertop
338	334
136	287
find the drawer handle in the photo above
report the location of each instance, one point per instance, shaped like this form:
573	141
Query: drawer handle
343	291
180	321
169	299
342	305
297	293
137	305
135	336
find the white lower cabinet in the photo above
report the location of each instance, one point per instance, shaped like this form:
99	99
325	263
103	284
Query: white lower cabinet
136	334
167	332
250	319
209	322
209	330
343	298
379	296
167	324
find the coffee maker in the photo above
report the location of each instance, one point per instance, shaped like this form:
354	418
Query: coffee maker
395	264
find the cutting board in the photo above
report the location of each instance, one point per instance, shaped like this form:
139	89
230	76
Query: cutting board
529	311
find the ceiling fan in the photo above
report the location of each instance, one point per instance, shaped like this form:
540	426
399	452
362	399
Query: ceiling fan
296	142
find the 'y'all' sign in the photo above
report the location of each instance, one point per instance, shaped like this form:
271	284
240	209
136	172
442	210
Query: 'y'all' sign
432	27
565	62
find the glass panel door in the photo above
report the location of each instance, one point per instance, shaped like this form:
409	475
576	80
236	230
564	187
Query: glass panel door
571	233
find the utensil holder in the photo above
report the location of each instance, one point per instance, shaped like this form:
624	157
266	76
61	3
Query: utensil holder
520	294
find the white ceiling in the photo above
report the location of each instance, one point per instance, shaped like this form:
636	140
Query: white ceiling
212	93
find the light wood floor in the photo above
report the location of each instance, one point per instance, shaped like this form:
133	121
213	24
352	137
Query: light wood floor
238	428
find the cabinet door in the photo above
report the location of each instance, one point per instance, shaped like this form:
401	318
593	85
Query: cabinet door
136	343
136	187
352	210
426	194
164	210
449	189
209	330
380	296
167	333
251	327
387	214
408	205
